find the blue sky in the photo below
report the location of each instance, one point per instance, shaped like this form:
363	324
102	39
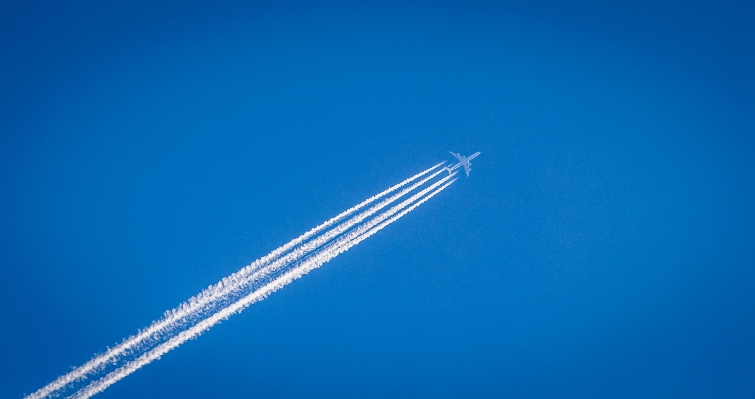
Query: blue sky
602	246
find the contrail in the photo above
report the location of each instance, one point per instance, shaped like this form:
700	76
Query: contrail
239	280
257	271
325	237
224	292
193	304
341	245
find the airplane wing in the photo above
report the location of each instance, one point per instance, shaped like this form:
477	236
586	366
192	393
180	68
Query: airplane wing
458	156
467	168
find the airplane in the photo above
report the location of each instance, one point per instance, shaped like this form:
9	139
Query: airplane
463	161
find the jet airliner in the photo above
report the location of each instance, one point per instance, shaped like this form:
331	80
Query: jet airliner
463	161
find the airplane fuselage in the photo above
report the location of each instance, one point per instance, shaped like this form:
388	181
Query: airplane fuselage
463	162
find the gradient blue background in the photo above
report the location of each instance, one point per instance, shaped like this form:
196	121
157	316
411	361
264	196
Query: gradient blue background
603	246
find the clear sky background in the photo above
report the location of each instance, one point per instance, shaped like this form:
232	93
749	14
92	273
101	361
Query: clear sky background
603	245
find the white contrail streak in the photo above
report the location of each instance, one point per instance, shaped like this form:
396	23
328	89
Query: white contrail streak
308	247
341	245
240	280
197	302
257	271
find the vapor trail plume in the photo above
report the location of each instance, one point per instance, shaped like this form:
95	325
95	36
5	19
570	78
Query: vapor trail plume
228	285
341	245
255	273
128	345
310	246
222	292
